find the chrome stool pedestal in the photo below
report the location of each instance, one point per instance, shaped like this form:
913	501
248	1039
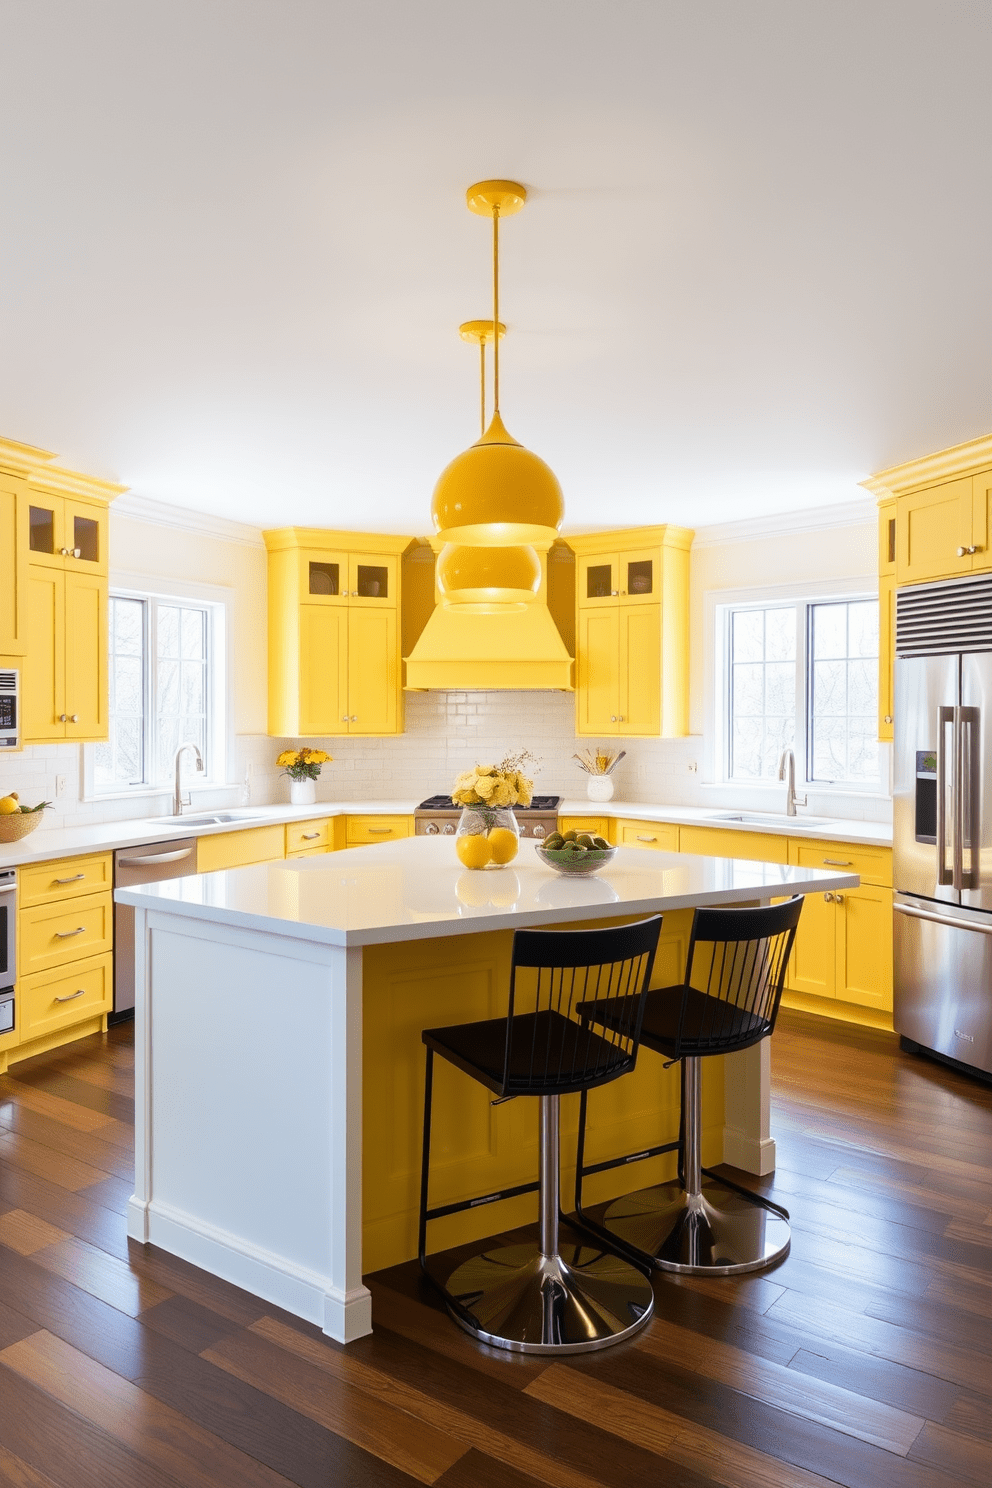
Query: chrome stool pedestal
706	1227
550	1298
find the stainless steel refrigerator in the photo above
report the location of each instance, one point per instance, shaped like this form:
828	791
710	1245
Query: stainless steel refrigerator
942	820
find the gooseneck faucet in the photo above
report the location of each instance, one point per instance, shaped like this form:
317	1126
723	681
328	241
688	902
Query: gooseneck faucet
177	796
787	772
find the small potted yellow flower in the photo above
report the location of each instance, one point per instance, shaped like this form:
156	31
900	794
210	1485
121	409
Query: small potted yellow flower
302	766
488	832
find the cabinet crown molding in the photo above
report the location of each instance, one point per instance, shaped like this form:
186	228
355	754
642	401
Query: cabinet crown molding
279	539
667	536
960	459
34	466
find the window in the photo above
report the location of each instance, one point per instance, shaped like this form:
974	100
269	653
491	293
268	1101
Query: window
165	689
803	676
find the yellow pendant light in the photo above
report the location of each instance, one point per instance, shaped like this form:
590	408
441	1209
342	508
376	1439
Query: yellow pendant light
486	580
497	493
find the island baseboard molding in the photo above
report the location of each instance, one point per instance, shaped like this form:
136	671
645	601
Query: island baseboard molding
307	1294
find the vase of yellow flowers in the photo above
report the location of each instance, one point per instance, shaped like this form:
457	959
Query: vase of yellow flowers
302	766
488	833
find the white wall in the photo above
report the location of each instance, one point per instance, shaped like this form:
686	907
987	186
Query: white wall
448	732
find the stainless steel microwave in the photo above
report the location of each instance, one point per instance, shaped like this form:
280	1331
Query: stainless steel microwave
10	709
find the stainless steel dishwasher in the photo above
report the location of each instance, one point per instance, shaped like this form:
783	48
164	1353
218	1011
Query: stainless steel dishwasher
140	865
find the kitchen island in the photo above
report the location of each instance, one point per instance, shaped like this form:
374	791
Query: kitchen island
279	1065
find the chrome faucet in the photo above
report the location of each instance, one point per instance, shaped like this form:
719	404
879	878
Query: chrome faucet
178	800
787	772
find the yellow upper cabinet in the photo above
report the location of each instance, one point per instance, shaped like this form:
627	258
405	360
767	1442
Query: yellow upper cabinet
632	632
886	616
943	505
334	644
56	622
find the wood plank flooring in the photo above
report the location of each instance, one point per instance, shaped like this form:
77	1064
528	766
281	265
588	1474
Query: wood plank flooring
864	1359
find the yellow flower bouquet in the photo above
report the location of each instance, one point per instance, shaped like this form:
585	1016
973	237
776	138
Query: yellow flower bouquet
488	832
303	764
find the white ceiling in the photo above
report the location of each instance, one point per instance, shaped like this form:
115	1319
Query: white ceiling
234	250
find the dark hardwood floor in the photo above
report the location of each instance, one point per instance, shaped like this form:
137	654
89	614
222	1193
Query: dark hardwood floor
864	1359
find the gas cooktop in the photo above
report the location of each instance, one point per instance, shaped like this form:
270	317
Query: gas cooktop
445	803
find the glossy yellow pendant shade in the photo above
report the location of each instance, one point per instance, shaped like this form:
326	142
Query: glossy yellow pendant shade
488	580
496	493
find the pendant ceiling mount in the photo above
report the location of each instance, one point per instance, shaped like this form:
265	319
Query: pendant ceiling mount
496	493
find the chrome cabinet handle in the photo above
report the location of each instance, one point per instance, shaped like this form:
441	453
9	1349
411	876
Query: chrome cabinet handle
63	552
73	717
641	838
74	879
828	898
614	593
344	718
344	594
962	552
837	863
354	718
887	718
838	898
613	718
68	934
72	996
379	830
309	836
63	718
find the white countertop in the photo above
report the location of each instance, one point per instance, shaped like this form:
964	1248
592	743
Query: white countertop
55	842
834	828
416	889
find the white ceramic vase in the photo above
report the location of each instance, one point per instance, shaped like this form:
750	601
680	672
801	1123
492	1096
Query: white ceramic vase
303	792
600	787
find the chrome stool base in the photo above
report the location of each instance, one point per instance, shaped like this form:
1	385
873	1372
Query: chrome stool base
715	1232
578	1299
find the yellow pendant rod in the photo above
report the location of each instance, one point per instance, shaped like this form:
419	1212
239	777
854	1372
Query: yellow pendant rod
482	378
495	311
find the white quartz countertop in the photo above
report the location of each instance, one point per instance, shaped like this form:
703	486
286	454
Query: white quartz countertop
108	836
46	843
832	828
416	889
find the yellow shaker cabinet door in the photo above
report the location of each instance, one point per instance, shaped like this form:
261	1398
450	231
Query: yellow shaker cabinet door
52	934
64	878
56	1000
886	654
864	946
307	835
43	681
372	663
85	656
13	568
932	525
85	531
638	575
811	968
640	670
372	581
597	672
981	521
365	829
323	670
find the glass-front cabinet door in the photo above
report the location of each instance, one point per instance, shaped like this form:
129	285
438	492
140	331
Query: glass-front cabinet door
65	533
598	580
324	577
638	575
372	580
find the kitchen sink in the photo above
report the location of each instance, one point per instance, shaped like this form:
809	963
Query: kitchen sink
769	819
211	819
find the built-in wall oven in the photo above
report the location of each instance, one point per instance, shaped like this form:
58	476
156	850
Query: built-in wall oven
8	890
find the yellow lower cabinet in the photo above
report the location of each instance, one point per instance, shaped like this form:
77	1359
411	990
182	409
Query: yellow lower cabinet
307	836
864	946
662	836
600	825
873	864
365	829
812	967
51	935
64	878
714	842
240	849
51	1001
308	852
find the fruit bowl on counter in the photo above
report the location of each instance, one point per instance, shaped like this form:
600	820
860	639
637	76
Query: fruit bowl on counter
16	821
576	854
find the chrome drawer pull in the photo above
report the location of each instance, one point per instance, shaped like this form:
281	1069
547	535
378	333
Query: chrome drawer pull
379	829
68	934
309	836
74	879
72	996
920	914
839	862
646	839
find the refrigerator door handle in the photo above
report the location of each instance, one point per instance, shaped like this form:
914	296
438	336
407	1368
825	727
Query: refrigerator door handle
945	716
970	785
939	919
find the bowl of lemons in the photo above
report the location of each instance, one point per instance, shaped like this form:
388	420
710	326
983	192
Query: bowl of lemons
16	821
576	853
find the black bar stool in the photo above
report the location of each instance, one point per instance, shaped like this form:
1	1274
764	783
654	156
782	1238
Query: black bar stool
548	1298
729	1000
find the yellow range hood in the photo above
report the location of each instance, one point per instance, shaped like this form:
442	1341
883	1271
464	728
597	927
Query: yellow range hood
521	650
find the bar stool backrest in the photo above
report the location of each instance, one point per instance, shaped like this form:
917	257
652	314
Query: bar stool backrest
734	977
550	1048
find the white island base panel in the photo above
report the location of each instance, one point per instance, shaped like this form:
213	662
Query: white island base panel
249	1043
251	1115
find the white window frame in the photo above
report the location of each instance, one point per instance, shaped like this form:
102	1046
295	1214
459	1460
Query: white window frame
217	600
718	606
